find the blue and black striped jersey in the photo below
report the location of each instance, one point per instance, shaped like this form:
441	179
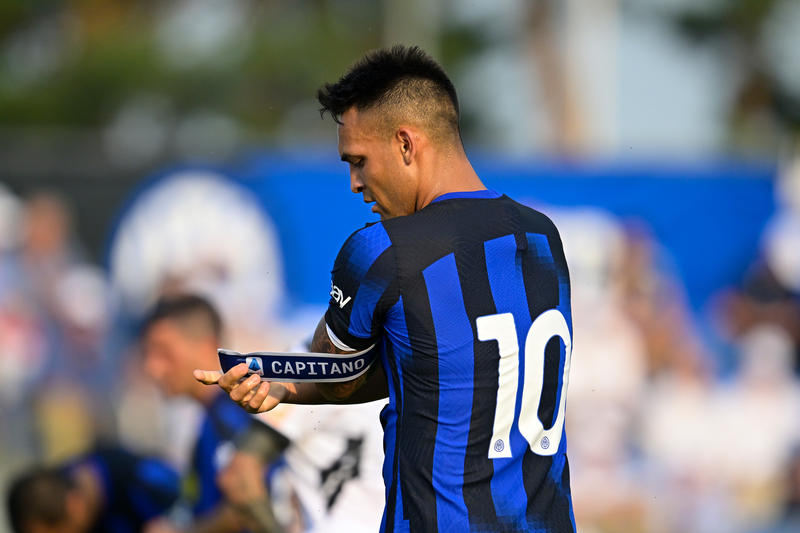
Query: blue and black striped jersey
134	489
469	302
214	446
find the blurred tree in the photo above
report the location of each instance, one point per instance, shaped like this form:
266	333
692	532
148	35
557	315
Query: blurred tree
766	107
77	62
100	53
96	93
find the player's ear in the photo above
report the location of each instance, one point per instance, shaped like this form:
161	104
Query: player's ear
408	144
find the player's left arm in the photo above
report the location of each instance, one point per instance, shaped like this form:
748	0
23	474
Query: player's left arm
353	323
368	387
256	396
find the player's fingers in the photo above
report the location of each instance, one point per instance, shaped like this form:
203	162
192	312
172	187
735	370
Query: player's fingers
256	403
230	379
244	401
207	377
240	393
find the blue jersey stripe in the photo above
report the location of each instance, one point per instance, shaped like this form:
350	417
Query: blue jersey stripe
456	359
504	266
389	423
397	337
364	248
484	194
369	293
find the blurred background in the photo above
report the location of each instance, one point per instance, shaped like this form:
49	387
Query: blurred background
149	147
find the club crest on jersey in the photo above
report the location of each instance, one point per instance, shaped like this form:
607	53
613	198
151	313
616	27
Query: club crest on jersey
255	366
338	296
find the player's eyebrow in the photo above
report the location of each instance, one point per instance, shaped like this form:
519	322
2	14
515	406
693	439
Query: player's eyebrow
352	159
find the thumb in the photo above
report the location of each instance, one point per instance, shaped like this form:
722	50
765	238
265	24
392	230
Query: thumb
207	377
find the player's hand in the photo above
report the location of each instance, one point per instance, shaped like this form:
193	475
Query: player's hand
242	481
253	395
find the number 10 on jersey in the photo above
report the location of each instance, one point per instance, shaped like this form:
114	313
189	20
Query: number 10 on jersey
502	329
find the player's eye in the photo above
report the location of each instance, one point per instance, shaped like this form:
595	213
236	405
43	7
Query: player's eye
358	163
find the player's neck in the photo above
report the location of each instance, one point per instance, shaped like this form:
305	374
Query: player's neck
454	174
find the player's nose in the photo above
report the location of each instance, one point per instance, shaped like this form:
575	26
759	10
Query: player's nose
356	185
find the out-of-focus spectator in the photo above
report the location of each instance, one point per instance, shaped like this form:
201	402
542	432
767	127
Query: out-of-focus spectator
192	231
68	305
10	221
606	378
22	346
653	298
770	291
678	434
107	491
759	413
717	452
789	519
149	421
48	247
761	299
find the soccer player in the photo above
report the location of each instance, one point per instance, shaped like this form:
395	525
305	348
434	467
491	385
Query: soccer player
180	333
466	295
107	491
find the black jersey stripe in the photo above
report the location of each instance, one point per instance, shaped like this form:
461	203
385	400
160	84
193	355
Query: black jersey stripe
420	410
454	336
390	419
547	508
542	291
478	469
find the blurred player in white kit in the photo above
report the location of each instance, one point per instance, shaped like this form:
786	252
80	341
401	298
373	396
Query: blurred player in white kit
331	480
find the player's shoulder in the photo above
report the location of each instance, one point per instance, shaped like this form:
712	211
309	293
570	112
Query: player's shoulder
475	216
372	234
365	245
534	219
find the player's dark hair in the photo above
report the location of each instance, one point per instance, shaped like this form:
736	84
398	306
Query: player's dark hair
39	495
401	81
193	313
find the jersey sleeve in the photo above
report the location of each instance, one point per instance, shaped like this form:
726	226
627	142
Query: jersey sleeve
136	488
364	286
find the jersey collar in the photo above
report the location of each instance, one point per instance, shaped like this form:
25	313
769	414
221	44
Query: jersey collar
485	194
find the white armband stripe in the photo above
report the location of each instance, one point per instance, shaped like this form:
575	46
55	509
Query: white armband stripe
336	342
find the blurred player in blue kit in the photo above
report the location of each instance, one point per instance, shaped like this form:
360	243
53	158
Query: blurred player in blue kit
110	490
180	332
465	295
